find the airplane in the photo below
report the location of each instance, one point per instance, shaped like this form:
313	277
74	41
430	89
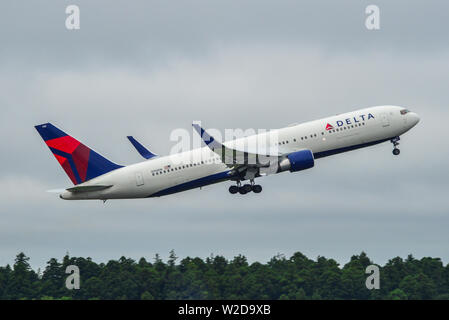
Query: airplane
290	149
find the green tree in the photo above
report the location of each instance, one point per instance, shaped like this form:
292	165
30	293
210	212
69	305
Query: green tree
297	277
5	282
53	279
354	277
397	294
146	296
418	287
24	281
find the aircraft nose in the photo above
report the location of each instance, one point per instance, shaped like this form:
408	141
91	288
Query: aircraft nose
413	119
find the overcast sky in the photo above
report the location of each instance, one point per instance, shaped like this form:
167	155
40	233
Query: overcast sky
144	68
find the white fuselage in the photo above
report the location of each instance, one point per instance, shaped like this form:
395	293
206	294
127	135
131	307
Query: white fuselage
199	167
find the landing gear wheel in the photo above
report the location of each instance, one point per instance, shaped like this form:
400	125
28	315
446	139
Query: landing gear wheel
233	189
257	188
247	188
242	190
395	143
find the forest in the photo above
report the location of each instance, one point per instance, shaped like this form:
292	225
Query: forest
216	277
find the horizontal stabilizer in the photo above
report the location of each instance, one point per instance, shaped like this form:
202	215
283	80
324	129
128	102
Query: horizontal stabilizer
144	152
88	188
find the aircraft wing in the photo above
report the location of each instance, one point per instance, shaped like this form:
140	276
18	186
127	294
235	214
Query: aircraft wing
248	164
144	152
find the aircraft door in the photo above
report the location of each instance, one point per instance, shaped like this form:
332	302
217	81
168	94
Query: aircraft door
139	179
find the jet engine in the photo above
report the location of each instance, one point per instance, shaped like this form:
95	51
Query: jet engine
297	161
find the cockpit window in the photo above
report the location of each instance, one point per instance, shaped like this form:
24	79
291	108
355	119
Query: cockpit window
404	111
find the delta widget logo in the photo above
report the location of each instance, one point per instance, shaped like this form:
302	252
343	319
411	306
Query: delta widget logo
349	121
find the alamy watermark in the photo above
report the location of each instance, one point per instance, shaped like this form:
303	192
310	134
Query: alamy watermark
373	280
372	21
72	21
73	280
236	146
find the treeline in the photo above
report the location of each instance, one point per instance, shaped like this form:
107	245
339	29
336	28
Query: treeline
297	277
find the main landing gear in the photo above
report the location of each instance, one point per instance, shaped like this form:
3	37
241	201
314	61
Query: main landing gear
395	143
244	189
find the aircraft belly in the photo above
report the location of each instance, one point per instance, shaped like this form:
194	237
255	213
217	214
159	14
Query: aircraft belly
196	179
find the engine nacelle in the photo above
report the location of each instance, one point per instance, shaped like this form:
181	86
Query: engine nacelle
297	161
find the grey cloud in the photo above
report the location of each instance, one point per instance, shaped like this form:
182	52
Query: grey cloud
146	33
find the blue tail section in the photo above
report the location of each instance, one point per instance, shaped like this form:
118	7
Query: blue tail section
78	161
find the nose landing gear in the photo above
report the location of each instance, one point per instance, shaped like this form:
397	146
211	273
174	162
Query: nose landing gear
395	143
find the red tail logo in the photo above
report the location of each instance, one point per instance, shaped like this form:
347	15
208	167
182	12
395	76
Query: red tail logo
78	161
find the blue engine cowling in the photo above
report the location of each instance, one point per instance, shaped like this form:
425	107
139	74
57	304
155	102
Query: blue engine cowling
297	161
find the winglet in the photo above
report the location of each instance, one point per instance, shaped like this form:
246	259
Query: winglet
144	152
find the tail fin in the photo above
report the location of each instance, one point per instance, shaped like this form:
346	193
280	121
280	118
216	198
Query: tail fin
78	161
